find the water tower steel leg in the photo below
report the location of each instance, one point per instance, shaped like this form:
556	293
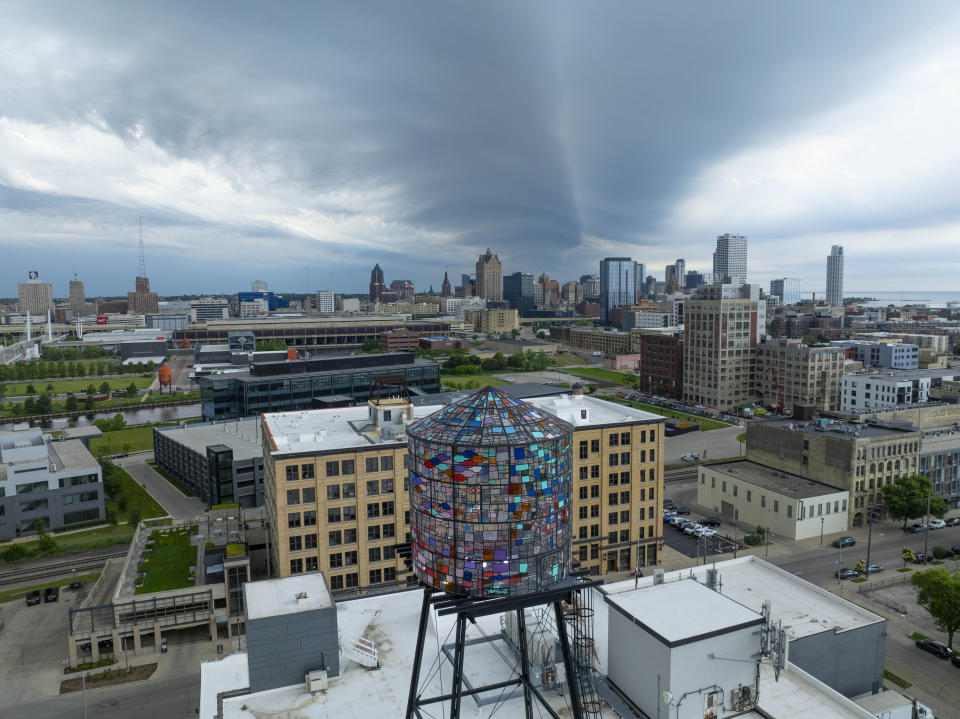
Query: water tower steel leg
568	665
418	653
524	663
458	665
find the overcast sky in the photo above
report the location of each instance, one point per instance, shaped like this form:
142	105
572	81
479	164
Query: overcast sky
272	140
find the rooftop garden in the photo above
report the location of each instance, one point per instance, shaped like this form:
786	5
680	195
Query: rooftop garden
168	562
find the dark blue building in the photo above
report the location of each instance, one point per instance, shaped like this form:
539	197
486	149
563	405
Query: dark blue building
274	302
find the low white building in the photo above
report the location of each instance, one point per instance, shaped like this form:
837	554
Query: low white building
891	388
788	505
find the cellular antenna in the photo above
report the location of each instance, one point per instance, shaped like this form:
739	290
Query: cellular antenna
143	267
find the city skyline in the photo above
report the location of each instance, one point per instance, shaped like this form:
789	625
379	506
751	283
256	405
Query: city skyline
278	156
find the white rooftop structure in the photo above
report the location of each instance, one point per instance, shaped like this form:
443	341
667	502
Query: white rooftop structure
677	612
289	595
804	608
242	436
797	695
571	408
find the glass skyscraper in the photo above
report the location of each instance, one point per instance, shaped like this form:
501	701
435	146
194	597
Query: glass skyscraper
618	284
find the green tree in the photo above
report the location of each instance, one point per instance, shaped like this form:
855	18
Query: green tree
371	344
30	389
133	516
3	390
72	405
276	344
14	553
861	567
741	438
104	387
131	390
940	595
591	388
30	405
907	555
46	543
88	403
91	389
907	498
44	404
49	387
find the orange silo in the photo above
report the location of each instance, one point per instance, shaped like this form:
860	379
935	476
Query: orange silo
291	354
164	375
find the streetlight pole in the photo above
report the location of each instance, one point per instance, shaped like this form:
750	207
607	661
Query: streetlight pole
821	531
926	532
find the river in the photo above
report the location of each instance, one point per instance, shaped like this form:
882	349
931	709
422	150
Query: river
134	416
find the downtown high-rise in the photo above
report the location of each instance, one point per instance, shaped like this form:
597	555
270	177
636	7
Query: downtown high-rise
730	259
489	277
618	284
835	276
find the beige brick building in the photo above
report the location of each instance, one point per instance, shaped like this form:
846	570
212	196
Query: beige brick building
337	500
489	277
492	321
806	374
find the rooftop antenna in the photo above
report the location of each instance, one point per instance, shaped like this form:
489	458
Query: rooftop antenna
142	268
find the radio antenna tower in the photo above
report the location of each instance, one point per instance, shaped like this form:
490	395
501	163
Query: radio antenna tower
143	267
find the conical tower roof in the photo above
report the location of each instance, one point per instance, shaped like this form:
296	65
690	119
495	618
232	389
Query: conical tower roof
489	418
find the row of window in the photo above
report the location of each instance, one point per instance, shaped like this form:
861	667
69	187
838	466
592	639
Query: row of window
374	554
342	468
375	532
352	580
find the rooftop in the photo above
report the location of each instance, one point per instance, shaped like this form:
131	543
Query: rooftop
682	612
72	454
792	485
896	375
249	376
599	411
842	430
242	436
298	593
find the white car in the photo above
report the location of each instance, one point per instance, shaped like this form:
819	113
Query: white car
936	524
692	529
706	532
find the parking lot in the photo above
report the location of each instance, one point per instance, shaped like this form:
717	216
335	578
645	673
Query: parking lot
696	546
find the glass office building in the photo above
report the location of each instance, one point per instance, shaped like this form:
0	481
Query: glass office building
618	284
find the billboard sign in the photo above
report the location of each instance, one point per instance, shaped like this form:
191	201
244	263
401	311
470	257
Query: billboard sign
101	320
33	275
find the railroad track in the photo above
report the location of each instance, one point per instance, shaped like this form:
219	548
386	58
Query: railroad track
55	568
677	475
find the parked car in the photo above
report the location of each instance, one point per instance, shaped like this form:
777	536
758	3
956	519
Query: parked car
956	550
682	511
844	542
847	573
706	532
710	522
920	558
669	504
917	528
119	455
692	528
955	660
51	595
936	524
952	522
683	524
33	598
938	649
690	457
874	568
76	585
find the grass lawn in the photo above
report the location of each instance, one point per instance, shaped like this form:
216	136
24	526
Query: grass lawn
131	496
899	681
166	565
705	424
470	381
604	375
78	385
567	358
101	538
159	470
130	439
14	594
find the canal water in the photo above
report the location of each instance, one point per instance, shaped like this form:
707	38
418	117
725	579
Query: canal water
135	416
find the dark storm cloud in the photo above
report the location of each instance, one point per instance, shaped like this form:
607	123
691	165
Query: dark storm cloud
517	126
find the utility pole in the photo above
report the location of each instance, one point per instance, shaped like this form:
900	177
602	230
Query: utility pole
821	531
873	514
926	532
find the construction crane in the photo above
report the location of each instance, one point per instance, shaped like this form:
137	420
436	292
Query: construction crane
779	391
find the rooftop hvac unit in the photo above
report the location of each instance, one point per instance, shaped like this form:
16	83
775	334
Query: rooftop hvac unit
658	575
388	432
713	578
317	681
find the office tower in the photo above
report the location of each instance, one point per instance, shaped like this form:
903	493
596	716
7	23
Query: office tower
34	296
445	287
518	291
730	259
489	277
324	300
546	291
207	309
670	278
692	280
142	301
721	324
651	286
835	276
680	271
78	298
793	372
787	289
258	286
591	286
404	289
377	285
618	284
572	293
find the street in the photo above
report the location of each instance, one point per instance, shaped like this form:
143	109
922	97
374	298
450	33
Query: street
169	497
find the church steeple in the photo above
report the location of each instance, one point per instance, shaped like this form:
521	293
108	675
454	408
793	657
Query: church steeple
445	287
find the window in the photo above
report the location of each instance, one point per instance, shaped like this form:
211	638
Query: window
372	464
333	492
373	487
595	529
333	515
614	439
386	463
625	535
84	515
64	482
613	498
350	514
333	469
614	460
612	537
594	551
293	473
347	466
312	564
31	487
583	450
389	574
349	490
336	582
81	497
594	445
836	506
349	536
293	496
310	518
389	553
749	496
595	471
373	510
307	471
373	554
583	512
334	539
624	438
583	472
583	492
582	554
406	461
582	533
653	435
776	506
389	531
735	488
336	560
296	543
713	482
624	497
625	517
763	500
350	558
376	576
624	459
293	520
612	518
624	478
595	491
723	486
353	580
296	566
386	486
789	510
613	480
373	532
309	495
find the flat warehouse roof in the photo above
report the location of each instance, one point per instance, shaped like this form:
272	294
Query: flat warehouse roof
791	485
299	593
